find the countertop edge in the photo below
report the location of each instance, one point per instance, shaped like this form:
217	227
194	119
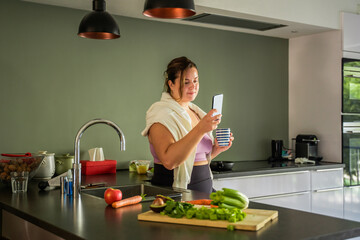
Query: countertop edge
230	174
39	223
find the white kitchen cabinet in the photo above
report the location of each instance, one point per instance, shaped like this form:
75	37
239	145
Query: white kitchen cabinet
351	35
328	202
327	178
319	191
299	201
267	184
352	203
327	195
290	189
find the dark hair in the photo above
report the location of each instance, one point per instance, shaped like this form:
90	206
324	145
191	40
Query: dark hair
174	68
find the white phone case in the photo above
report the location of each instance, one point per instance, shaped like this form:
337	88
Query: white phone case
217	103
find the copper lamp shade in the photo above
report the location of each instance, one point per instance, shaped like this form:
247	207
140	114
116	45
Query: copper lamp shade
169	8
99	24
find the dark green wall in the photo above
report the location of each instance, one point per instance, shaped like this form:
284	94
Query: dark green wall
53	81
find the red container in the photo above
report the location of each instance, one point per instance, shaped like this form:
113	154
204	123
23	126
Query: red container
98	167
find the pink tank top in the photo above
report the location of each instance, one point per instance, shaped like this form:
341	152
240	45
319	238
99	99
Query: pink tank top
203	148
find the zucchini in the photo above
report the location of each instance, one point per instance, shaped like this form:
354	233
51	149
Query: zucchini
233	202
236	195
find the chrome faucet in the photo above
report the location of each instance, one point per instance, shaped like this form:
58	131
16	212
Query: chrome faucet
76	171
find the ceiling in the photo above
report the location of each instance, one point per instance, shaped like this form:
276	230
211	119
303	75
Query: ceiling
134	8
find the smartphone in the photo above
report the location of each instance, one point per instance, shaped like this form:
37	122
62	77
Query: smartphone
217	103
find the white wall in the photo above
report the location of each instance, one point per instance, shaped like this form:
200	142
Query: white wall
315	90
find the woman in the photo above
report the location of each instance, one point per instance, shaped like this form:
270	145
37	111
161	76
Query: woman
179	132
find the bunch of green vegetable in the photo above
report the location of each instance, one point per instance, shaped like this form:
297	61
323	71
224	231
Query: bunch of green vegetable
230	204
229	198
231	215
176	209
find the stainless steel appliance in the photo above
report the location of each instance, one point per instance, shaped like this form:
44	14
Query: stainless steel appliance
351	120
307	147
351	86
351	149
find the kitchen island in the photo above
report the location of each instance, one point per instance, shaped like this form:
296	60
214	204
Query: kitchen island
90	218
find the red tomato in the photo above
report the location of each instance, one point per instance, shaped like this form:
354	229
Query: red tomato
112	195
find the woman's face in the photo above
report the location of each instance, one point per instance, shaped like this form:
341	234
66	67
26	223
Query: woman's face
190	88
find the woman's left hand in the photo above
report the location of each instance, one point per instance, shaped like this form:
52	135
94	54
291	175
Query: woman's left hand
216	150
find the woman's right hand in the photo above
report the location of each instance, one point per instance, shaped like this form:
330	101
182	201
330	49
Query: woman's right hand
209	122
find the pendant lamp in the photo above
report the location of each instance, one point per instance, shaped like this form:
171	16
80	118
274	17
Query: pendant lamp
169	8
99	24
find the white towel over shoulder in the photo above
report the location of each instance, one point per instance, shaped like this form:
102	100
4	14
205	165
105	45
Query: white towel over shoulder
175	118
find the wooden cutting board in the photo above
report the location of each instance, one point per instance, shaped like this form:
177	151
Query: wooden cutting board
255	219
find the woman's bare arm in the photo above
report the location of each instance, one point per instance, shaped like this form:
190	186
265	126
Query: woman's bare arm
172	153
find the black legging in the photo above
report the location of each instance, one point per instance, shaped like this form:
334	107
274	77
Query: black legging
200	178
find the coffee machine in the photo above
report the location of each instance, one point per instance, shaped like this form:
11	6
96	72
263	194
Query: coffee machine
307	147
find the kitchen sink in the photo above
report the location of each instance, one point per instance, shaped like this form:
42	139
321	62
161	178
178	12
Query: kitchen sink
133	190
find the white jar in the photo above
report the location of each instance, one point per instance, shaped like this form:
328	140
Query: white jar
47	167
